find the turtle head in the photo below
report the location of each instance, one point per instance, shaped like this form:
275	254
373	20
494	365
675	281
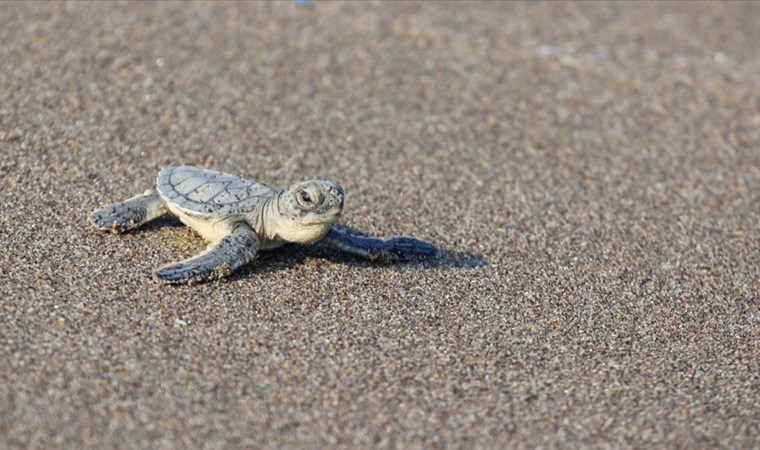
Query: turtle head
308	209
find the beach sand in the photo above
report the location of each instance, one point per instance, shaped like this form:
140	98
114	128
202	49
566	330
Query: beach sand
590	173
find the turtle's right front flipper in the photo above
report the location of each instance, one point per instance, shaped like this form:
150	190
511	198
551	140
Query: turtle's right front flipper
399	248
130	213
221	259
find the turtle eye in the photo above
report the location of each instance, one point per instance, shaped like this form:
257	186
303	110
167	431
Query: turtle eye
304	198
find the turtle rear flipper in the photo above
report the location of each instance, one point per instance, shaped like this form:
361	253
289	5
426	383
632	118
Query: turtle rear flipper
130	213
236	249
398	248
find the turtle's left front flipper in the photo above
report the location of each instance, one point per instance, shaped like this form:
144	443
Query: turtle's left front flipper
382	250
232	251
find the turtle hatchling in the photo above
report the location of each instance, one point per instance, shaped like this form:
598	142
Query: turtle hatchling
239	217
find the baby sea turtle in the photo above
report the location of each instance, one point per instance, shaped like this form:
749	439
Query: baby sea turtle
239	217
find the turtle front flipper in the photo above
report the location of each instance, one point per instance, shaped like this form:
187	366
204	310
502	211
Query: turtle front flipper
130	213
398	248
232	251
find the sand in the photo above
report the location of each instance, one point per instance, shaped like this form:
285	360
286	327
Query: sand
590	173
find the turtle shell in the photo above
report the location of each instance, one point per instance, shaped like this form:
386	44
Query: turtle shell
209	193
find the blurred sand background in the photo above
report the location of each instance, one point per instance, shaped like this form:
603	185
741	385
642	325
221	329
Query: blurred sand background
591	173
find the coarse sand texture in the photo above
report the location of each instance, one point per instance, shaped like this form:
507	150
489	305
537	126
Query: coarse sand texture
589	173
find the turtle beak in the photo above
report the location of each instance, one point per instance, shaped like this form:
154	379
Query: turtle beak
337	193
339	205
